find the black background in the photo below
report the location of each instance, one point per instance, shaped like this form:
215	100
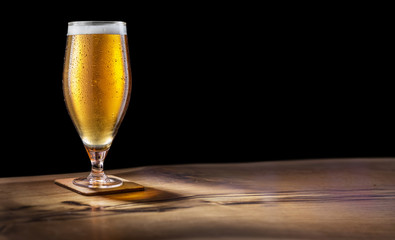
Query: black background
211	83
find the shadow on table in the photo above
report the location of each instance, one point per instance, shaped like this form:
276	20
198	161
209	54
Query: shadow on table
148	195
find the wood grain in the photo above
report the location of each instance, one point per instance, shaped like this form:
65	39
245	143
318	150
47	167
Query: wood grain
309	199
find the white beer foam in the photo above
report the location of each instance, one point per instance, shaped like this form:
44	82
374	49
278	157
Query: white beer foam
96	27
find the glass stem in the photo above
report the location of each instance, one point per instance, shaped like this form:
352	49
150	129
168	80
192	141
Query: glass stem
97	160
97	178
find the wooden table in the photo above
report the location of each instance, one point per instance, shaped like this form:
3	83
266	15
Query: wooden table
309	199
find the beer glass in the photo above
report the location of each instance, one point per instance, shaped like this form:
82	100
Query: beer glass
96	88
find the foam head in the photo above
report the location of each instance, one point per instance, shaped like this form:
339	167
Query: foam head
96	27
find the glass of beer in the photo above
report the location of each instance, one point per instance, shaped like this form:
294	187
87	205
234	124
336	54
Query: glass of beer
96	86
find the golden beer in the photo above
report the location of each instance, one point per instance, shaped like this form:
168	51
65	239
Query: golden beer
96	89
97	85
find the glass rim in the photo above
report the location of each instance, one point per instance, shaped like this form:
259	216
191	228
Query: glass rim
95	23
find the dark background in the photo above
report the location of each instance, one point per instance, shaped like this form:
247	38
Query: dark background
211	83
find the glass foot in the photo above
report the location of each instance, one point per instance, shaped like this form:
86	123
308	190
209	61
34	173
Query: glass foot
92	182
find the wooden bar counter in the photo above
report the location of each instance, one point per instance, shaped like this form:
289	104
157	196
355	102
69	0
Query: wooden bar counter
302	199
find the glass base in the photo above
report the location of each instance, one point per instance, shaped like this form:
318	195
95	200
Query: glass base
92	182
